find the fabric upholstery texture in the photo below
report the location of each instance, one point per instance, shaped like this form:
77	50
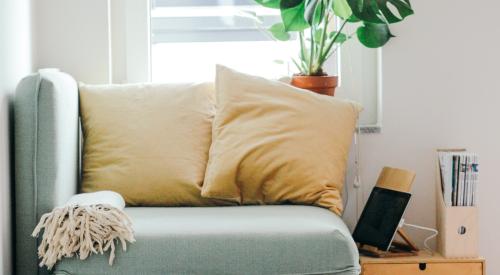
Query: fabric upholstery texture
46	156
203	240
148	142
230	240
273	143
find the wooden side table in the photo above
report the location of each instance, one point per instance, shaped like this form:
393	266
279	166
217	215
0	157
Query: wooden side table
423	264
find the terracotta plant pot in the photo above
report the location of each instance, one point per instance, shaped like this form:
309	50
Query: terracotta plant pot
324	85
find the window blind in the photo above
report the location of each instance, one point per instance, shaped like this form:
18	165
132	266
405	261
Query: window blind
177	21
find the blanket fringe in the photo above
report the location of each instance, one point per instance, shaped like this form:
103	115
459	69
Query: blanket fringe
82	230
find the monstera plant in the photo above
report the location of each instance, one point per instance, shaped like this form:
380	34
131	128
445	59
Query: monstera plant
320	27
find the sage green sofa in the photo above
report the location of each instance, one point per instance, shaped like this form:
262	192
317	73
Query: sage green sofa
282	239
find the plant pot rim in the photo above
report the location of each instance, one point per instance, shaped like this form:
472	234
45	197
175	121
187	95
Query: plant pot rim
319	76
322	84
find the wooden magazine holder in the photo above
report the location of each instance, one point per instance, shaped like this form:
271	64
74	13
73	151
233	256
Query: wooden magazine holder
458	225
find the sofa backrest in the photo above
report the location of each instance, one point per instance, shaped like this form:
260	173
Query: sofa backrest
46	151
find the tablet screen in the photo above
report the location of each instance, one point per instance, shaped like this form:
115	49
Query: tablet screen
380	218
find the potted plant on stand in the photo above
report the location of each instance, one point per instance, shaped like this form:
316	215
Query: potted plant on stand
320	25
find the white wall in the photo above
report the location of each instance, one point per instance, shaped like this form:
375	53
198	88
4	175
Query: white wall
15	62
439	88
72	35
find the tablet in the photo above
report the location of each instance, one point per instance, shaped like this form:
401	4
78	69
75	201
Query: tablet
380	219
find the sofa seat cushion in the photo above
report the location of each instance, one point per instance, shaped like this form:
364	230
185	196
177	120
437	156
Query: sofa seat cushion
230	240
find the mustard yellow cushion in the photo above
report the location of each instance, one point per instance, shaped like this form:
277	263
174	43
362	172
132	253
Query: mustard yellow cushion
147	142
273	143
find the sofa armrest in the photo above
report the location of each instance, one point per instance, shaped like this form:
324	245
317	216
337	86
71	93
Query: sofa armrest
46	152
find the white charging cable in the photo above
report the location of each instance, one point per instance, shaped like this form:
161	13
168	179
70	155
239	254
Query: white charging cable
433	235
357	180
357	175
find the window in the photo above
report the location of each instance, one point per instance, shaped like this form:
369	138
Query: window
182	40
189	37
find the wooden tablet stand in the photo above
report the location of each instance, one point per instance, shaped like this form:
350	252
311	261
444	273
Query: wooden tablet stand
399	180
398	249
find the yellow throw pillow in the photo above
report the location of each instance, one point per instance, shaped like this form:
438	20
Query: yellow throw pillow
273	143
147	142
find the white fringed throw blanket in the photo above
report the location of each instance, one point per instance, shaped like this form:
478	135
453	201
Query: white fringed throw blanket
88	223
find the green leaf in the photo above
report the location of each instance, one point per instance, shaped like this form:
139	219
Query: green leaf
275	4
317	34
353	19
374	35
381	11
292	15
341	9
340	38
314	11
402	6
320	13
288	4
278	32
366	10
310	9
